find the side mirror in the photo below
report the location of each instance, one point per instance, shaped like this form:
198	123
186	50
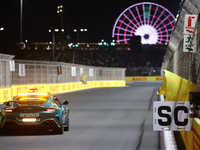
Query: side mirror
55	98
65	102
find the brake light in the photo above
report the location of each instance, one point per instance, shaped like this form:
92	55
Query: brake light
9	110
50	109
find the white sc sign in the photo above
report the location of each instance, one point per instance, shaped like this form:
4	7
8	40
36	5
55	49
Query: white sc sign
171	116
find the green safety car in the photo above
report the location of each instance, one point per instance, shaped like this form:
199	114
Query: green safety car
34	110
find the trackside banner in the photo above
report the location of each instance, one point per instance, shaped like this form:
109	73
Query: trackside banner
7	93
171	116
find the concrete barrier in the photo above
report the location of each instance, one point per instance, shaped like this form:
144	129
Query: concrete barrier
144	78
192	138
7	93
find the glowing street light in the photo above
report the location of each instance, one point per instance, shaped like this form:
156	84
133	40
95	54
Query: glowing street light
60	9
79	30
1	29
55	30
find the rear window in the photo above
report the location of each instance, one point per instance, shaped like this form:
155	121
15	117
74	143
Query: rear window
31	97
32	102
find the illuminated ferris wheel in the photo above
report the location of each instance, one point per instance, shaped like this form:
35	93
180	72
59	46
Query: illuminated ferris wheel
151	21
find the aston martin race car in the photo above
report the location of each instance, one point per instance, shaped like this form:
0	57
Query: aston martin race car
34	110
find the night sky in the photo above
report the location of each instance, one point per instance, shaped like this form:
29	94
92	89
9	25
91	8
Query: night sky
40	15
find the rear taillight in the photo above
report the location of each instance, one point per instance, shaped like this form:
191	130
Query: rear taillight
50	109
9	110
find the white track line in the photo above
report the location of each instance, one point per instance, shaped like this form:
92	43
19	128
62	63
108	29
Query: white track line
170	143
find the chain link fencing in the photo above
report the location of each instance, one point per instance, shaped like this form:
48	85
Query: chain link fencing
41	72
5	74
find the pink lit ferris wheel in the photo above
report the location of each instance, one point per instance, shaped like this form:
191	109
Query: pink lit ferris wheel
151	21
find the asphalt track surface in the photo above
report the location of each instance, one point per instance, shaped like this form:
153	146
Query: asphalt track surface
100	119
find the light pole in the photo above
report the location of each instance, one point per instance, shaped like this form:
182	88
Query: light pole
79	30
83	30
76	31
21	10
53	44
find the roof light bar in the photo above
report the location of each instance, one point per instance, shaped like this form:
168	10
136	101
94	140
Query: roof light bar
26	94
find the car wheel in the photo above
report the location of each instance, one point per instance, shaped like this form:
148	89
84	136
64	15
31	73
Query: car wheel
67	128
60	130
4	132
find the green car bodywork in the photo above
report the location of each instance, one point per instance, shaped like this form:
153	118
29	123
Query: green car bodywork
34	110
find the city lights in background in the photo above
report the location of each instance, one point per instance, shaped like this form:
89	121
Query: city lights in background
53	44
82	30
73	45
113	43
103	43
77	32
57	30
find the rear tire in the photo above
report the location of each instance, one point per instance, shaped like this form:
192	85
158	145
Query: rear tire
67	128
4	132
60	130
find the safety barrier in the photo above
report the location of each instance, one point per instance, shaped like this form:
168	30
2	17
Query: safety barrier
55	77
22	72
144	78
175	88
7	93
192	138
185	64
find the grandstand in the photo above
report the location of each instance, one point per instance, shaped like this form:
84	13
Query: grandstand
146	60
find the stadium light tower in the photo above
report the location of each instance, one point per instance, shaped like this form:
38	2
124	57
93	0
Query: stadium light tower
60	9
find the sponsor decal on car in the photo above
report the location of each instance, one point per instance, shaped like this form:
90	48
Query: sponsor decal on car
29	114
